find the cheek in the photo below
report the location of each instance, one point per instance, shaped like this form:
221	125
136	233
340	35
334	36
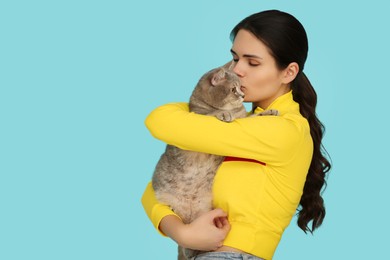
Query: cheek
265	80
261	85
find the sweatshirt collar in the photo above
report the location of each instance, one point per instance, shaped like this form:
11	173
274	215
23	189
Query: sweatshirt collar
283	104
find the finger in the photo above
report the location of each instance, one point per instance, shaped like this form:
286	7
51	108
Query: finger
226	226
221	221
218	213
218	222
224	221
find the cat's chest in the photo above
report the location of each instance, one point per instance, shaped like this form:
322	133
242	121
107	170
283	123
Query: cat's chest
198	163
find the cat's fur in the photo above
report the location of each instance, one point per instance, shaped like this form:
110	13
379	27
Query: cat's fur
183	179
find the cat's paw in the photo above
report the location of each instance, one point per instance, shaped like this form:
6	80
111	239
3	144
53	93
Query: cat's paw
225	116
269	112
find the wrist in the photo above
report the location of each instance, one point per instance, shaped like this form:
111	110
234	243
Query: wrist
181	235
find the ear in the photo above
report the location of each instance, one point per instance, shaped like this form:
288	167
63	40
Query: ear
229	65
290	72
218	77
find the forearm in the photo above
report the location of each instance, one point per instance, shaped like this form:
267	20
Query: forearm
201	234
205	233
173	227
164	219
155	210
270	139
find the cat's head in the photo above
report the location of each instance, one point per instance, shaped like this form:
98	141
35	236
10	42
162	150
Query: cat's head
220	88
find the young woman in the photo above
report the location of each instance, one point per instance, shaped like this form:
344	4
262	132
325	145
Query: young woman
254	199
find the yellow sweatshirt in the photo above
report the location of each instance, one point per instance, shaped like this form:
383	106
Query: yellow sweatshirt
260	199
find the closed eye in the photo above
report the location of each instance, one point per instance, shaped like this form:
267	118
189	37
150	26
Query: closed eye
253	60
251	63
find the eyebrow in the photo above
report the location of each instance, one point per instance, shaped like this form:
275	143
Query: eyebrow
246	55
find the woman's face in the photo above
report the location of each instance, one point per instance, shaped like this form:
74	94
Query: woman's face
261	81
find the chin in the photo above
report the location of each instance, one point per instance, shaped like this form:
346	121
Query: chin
248	99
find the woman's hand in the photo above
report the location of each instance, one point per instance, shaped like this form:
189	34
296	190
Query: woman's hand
205	233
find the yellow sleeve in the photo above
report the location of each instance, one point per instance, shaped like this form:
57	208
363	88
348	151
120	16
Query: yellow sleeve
153	208
270	139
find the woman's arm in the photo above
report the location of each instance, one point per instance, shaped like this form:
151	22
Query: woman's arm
270	139
155	210
205	233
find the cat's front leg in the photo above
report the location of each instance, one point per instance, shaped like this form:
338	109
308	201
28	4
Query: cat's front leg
269	112
224	116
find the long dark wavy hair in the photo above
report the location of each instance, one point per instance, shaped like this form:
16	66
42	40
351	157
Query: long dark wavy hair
287	42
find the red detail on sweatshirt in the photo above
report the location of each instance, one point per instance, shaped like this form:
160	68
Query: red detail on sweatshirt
230	159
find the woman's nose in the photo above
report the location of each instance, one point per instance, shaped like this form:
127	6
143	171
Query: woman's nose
238	70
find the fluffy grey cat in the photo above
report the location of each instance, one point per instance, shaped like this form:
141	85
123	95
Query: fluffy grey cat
183	179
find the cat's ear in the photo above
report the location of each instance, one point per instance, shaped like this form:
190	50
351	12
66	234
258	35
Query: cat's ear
218	77
229	65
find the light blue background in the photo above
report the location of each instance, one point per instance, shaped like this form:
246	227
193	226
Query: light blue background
77	79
